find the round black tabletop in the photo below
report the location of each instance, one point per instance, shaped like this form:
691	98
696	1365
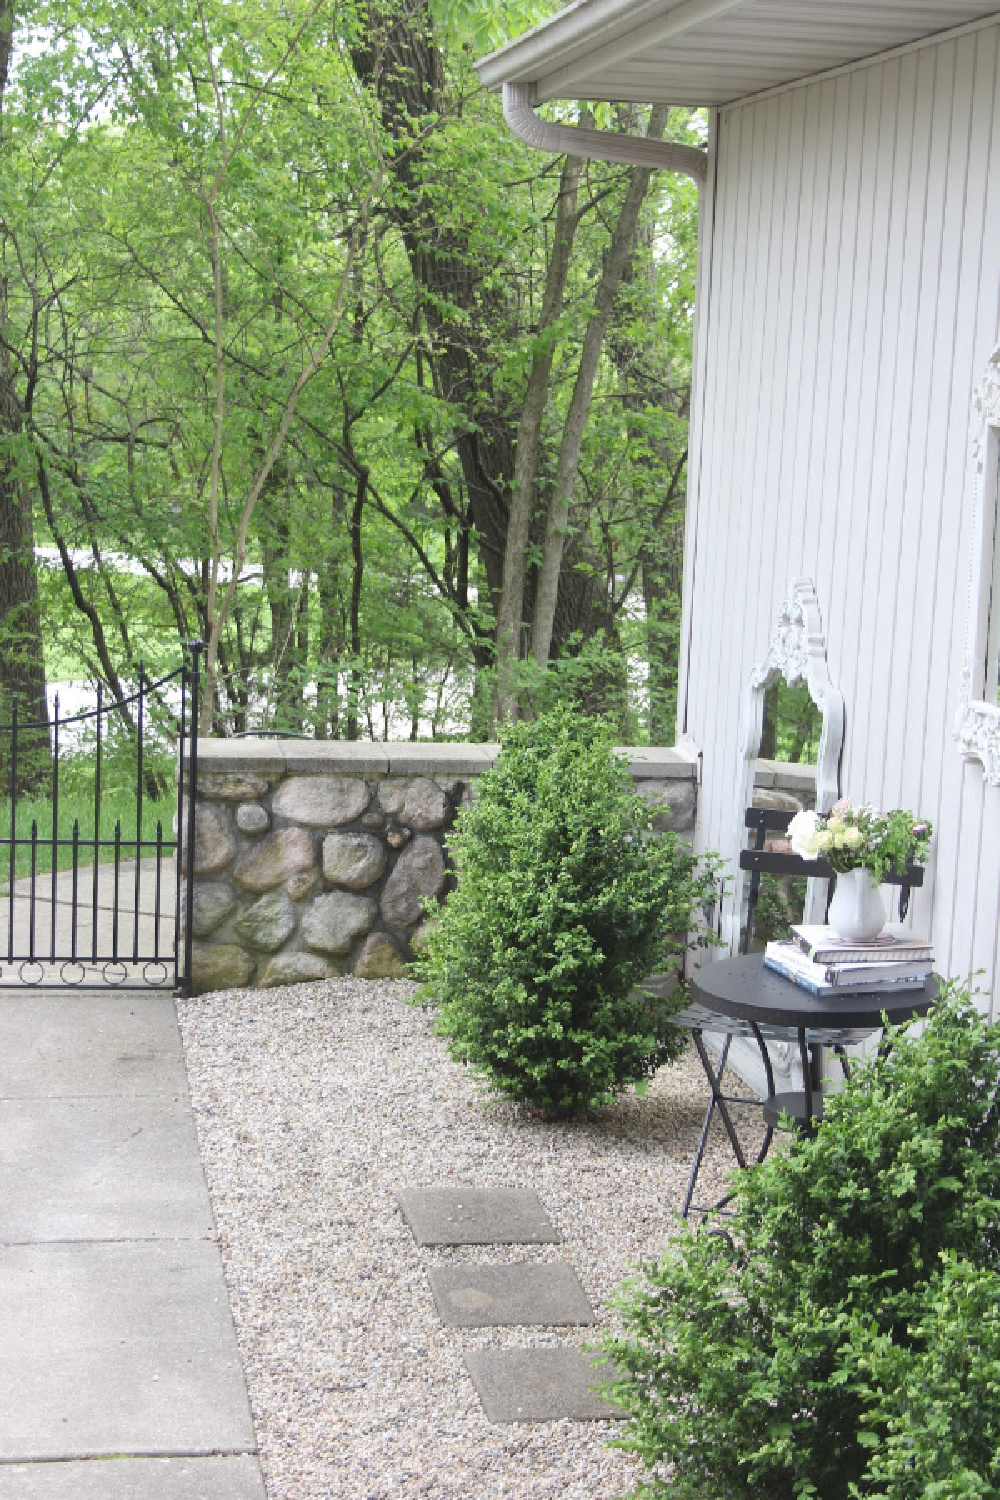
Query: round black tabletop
743	988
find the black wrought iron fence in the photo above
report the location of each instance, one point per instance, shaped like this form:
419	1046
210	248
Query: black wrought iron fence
94	884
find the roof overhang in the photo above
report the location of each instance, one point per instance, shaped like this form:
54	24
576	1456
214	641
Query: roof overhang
710	52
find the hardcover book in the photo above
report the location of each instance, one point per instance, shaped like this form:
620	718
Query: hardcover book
822	945
823	979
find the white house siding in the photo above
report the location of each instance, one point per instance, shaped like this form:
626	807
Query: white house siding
850	299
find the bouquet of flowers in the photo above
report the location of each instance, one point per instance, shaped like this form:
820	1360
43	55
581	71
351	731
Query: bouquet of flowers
849	838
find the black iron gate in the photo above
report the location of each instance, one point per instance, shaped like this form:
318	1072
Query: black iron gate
94	884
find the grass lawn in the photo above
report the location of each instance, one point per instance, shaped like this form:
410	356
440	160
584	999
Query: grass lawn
118	805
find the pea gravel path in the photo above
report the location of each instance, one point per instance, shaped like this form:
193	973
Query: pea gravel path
314	1104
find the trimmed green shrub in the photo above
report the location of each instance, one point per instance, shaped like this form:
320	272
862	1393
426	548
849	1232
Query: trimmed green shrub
842	1340
564	903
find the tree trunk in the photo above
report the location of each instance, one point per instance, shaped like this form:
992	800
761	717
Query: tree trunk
332	616
623	244
523	489
398	58
22	661
357	580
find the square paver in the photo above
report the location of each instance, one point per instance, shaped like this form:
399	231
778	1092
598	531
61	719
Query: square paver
477	1216
118	1348
547	1295
236	1478
540	1385
100	1169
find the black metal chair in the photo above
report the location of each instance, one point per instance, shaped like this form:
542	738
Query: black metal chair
761	861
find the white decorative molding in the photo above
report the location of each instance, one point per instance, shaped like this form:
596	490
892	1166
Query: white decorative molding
977	722
977	730
797	653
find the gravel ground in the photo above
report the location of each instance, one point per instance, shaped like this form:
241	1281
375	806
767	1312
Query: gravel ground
314	1104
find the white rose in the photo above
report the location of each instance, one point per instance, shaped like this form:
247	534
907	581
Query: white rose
802	834
853	838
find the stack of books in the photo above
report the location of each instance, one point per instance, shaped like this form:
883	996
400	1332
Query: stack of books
819	961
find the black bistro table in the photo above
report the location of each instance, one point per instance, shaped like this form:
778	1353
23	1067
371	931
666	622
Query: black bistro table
740	997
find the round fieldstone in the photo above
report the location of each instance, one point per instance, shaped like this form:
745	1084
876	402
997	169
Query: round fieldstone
676	799
333	922
380	959
781	801
321	801
252	818
212	904
286	852
268	923
301	886
353	859
372	821
391	796
397	835
419	871
418	938
295	968
219	966
214	841
419	803
237	788
425	805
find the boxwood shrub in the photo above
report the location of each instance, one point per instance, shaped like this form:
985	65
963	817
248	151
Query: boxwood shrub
565	902
841	1338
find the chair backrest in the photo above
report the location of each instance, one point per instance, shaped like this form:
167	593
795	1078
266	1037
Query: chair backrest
761	861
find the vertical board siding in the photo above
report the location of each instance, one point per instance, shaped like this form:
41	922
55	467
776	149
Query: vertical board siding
851	301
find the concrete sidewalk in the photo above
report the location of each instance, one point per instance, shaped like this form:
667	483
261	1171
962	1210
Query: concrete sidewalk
121	922
119	1370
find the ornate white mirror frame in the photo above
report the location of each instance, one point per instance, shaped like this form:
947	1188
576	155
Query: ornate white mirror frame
797	653
977	725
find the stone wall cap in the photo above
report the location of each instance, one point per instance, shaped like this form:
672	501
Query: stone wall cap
352	757
657	763
222	757
783	773
432	758
441	758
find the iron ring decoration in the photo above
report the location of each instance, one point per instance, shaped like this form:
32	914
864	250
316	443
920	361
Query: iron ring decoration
156	980
30	963
72	964
110	977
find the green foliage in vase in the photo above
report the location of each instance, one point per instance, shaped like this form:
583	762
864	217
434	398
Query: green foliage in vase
565	902
842	1340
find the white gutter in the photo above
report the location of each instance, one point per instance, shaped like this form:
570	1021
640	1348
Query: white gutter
606	145
585	30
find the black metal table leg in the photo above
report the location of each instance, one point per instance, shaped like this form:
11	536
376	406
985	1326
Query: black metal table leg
721	1101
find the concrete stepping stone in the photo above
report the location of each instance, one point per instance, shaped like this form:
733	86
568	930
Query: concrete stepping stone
227	1478
540	1385
477	1216
475	1296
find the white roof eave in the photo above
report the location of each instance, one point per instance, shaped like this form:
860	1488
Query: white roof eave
586	51
588	25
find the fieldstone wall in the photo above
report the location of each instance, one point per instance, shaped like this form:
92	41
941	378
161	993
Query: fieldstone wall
312	858
784	786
